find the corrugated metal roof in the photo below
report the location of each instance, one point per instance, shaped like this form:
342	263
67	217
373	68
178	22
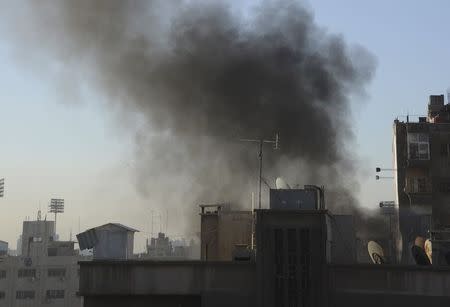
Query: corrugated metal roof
87	239
121	226
116	225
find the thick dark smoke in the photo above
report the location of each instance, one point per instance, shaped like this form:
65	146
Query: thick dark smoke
198	76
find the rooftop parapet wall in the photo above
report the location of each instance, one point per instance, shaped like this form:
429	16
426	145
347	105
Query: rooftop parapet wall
388	285
165	277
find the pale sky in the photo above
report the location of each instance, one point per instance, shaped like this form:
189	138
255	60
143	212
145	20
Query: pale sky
55	144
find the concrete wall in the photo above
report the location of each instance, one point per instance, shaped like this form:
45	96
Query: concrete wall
113	243
144	301
388	285
291	257
221	231
215	283
41	282
44	230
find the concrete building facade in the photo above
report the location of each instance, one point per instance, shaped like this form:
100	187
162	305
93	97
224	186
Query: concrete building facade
46	274
422	177
223	231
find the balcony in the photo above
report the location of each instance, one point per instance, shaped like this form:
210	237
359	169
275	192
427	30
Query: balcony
418	163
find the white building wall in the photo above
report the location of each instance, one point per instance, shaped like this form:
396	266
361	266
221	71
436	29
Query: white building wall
41	283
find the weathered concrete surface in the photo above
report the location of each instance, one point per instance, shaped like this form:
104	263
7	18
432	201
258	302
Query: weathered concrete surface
388	285
219	283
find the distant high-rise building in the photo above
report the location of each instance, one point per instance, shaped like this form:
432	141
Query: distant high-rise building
422	172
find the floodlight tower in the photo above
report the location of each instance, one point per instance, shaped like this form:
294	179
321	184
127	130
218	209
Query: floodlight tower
261	142
2	187
56	206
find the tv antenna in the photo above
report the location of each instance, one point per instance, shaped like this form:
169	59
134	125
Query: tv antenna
261	142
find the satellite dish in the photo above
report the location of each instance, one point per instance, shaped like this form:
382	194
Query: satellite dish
281	184
375	252
418	252
420	242
429	250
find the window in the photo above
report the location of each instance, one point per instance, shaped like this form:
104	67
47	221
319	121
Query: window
26	273
2	295
417	185
445	150
279	263
305	262
52	251
418	146
292	282
2	274
55	294
56	272
23	295
444	185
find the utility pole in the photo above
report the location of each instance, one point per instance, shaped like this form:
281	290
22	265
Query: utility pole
261	142
151	234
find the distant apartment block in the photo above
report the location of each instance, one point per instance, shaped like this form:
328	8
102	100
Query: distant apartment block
45	274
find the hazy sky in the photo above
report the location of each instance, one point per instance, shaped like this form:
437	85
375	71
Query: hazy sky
55	143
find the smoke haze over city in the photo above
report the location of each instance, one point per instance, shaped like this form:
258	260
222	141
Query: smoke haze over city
199	76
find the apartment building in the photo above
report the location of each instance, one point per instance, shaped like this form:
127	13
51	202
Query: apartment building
45	274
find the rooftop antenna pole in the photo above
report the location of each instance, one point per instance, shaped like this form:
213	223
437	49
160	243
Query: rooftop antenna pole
261	143
167	219
152	224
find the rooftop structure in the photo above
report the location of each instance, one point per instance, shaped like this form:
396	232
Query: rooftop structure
109	241
223	231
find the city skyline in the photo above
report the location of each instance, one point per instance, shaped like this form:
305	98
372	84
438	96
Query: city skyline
58	143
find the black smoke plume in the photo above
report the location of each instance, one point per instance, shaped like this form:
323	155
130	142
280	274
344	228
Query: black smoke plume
199	75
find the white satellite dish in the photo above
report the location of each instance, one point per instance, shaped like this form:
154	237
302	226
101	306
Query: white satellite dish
429	250
281	184
375	252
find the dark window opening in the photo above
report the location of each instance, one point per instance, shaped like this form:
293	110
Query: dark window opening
52	251
55	294
305	261
22	295
292	268
445	150
23	273
56	272
279	287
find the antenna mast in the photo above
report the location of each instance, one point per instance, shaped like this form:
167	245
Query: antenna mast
261	142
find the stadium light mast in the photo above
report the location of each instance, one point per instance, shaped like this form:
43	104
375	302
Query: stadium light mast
56	206
2	187
261	142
